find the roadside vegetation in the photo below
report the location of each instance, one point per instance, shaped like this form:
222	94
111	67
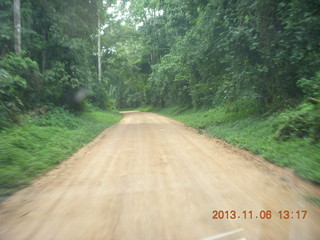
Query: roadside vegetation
52	101
40	142
266	135
314	200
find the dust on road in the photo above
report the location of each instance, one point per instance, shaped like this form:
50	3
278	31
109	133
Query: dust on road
150	177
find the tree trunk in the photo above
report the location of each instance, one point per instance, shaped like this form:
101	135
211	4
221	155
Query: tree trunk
44	60
17	26
99	48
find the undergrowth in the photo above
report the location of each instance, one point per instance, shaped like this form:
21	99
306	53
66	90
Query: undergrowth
38	144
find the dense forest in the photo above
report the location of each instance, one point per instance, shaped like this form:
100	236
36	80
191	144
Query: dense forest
261	54
249	57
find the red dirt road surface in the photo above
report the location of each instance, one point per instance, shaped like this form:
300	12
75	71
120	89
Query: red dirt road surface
150	177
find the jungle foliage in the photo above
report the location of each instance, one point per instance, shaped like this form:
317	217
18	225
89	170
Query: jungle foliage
220	51
58	62
258	56
264	55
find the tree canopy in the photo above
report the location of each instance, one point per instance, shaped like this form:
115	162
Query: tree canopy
261	54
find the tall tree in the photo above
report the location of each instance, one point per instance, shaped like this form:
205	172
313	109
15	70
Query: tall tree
17	26
99	47
100	9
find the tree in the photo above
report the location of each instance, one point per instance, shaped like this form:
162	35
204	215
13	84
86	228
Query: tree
99	48
17	26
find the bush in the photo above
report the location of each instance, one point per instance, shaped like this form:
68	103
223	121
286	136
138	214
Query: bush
26	78
100	98
11	92
58	117
55	80
300	123
310	87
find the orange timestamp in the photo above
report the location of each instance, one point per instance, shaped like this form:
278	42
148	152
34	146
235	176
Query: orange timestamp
262	214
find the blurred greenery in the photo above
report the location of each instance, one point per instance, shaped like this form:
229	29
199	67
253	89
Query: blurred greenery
41	142
313	199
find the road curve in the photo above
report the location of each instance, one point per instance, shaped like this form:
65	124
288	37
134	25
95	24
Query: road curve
150	177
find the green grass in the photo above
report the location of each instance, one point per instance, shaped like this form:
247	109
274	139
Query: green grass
141	109
314	200
144	109
40	143
254	133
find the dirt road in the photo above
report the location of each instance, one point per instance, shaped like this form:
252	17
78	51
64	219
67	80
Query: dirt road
150	177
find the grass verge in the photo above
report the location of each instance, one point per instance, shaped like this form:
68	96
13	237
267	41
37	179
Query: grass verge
313	199
40	143
254	133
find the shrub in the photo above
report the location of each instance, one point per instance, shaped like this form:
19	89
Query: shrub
310	87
